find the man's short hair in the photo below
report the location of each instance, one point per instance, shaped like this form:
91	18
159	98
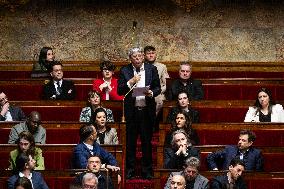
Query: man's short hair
89	176
236	161
54	63
187	64
251	135
85	131
135	50
192	162
21	161
149	48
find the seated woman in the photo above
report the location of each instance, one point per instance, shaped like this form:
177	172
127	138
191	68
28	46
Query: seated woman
182	121
26	144
181	149
265	109
107	85
106	134
43	66
94	102
183	103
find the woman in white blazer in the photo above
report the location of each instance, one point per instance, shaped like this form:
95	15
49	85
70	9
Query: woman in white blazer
265	109
106	134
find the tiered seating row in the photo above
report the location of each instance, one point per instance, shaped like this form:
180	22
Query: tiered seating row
210	110
62	179
214	89
22	69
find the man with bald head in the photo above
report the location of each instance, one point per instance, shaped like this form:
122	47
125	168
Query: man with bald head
33	125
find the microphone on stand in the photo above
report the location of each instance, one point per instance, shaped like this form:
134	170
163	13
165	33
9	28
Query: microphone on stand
123	116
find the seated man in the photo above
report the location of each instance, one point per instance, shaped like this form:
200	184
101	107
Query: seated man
32	124
58	88
191	174
174	157
25	165
231	179
88	147
94	165
9	112
244	151
178	182
185	83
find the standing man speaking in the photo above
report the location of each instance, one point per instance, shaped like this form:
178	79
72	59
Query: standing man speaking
140	109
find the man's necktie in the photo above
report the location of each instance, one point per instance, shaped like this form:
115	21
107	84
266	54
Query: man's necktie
58	89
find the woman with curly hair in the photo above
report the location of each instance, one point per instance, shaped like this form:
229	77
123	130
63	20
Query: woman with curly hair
26	144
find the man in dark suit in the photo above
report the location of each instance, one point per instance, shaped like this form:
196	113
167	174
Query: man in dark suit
244	151
8	112
94	166
140	110
231	179
25	165
185	83
58	88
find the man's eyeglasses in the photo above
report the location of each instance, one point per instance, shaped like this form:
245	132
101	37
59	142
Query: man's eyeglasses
86	186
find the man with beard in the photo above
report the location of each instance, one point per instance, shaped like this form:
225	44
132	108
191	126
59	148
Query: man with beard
191	174
232	179
244	151
33	125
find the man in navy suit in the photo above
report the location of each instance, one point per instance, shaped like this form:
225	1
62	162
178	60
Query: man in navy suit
88	147
140	109
25	165
58	88
244	151
8	112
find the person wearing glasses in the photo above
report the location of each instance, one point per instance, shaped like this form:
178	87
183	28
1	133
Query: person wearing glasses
9	112
191	174
107	85
33	125
58	88
90	181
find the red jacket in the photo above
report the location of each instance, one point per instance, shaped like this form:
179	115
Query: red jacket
112	94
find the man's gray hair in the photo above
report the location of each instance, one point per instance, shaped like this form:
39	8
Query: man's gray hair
90	176
135	50
185	63
192	162
178	132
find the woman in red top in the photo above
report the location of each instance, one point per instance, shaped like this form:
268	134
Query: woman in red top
107	86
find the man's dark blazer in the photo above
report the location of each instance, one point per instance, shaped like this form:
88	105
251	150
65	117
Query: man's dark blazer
81	155
16	113
151	79
253	158
220	182
37	180
173	161
49	90
193	89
